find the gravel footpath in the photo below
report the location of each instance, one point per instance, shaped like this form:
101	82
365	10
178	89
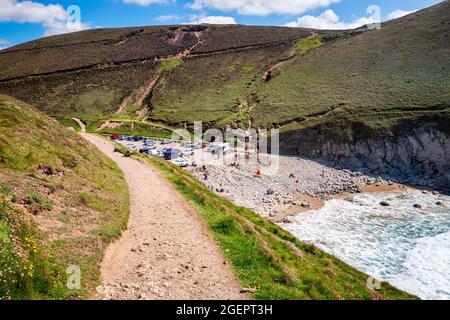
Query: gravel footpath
166	253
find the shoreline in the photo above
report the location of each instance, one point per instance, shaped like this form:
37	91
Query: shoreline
299	185
316	203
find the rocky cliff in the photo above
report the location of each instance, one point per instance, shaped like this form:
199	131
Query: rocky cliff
420	156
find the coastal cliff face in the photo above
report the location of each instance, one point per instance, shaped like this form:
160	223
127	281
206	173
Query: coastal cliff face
419	157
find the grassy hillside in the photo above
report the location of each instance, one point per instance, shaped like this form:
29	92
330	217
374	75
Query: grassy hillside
61	203
88	49
87	73
210	88
376	77
108	67
287	78
87	93
267	258
229	38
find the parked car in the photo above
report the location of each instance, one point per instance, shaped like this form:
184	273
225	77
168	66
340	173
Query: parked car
187	144
144	149
181	163
155	153
171	154
165	141
221	148
115	137
188	153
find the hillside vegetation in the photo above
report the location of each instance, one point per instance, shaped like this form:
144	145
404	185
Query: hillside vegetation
110	68
61	203
376	78
287	78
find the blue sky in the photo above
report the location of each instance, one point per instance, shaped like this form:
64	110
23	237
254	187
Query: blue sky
21	21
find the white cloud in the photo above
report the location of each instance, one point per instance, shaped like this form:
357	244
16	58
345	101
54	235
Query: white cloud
144	3
399	13
198	19
28	11
52	16
4	44
262	7
60	27
212	20
331	21
169	17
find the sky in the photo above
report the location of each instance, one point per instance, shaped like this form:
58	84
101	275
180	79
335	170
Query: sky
22	21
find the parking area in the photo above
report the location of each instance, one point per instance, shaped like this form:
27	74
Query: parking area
183	153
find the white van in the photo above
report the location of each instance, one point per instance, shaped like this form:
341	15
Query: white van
211	147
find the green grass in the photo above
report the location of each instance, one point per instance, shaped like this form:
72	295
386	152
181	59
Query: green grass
45	203
28	269
209	88
97	101
267	258
138	128
304	45
121	149
5	189
248	69
87	189
169	64
68	122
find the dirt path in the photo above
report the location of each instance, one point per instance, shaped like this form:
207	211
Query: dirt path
147	89
166	252
143	93
81	124
266	76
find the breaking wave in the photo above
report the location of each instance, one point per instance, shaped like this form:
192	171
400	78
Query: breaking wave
406	246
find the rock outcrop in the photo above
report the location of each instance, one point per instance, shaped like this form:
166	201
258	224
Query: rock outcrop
419	157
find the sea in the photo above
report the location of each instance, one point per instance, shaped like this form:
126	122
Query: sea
406	243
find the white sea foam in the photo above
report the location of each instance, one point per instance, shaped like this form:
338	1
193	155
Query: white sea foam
406	246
